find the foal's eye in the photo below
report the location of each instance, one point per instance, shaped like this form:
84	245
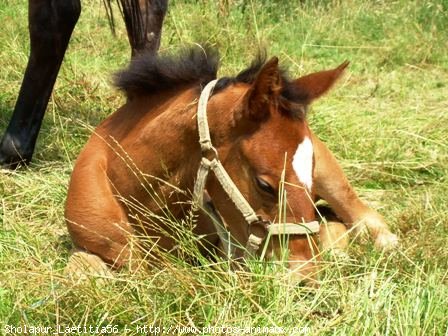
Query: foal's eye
265	186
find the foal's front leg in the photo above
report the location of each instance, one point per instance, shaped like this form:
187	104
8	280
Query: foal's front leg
333	186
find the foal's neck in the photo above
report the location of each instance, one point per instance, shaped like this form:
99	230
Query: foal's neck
173	133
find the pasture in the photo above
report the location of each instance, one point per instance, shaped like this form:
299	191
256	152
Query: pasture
386	122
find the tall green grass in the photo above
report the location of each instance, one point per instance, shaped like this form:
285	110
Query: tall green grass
387	122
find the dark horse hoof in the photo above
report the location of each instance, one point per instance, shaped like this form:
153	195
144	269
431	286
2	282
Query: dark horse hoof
12	154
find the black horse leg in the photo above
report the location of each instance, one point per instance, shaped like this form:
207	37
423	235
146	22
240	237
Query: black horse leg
51	23
144	20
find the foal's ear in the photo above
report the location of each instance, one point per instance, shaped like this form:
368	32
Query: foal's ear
314	85
264	91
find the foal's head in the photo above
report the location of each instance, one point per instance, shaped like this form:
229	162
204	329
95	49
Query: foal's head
257	122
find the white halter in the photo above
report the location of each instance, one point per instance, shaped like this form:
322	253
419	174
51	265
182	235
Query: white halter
255	222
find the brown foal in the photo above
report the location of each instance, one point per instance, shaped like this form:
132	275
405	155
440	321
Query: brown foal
150	146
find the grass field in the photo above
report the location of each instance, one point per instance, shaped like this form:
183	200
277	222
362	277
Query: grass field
387	123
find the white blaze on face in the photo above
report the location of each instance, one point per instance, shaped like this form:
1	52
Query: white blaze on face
302	162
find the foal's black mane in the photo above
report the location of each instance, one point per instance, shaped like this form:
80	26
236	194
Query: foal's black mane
152	73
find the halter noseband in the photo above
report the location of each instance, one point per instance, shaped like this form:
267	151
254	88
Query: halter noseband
256	223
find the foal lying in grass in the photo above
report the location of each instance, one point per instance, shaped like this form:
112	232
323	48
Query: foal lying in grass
249	130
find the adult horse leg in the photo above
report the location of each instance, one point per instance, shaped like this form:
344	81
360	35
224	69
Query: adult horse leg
51	23
144	20
333	186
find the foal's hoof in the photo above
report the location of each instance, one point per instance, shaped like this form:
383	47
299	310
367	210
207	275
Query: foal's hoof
83	266
374	223
386	241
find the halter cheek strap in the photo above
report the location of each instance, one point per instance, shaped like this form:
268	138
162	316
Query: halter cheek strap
256	224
